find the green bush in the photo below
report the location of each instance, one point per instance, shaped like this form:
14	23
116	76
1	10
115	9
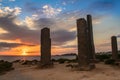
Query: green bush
72	61
110	61
118	55
69	65
27	62
102	57
54	60
16	61
5	66
62	60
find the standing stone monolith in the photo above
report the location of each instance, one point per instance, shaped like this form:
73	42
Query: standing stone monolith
114	48
83	46
45	48
83	59
85	43
90	38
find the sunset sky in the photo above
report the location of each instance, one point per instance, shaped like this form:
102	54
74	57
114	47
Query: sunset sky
22	20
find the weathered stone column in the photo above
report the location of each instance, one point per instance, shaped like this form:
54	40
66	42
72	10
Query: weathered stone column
45	47
114	48
83	59
90	38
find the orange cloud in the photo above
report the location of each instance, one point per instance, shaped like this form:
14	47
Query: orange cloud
59	50
35	50
22	50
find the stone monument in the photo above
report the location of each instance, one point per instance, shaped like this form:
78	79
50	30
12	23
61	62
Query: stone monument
45	48
85	43
114	47
90	38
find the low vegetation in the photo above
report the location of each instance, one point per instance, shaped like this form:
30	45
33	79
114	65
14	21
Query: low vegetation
110	61
5	66
63	60
28	62
103	56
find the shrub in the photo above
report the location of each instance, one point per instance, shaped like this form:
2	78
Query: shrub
102	57
35	62
62	60
118	55
1	61
69	65
110	61
54	60
27	62
72	61
5	66
16	61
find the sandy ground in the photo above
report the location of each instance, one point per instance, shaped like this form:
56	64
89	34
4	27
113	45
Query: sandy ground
60	72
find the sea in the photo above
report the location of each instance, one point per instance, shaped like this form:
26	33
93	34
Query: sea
14	58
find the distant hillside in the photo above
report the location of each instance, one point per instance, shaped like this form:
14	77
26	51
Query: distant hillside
68	54
108	52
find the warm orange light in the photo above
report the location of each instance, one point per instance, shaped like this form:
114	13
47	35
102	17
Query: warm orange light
24	52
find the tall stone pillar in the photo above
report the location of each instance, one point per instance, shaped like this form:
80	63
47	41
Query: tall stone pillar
45	47
114	47
90	38
83	59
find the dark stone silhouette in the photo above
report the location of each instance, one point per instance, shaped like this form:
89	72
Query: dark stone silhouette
85	43
45	48
82	42
90	38
114	48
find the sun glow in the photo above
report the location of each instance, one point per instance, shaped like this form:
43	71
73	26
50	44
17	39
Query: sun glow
24	52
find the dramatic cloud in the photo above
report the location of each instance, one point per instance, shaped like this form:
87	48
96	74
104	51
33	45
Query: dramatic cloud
25	34
44	22
25	21
62	36
16	32
8	46
7	10
49	11
12	45
46	11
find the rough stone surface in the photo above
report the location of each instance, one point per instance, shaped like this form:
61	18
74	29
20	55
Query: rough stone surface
114	47
86	51
83	59
90	38
45	48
